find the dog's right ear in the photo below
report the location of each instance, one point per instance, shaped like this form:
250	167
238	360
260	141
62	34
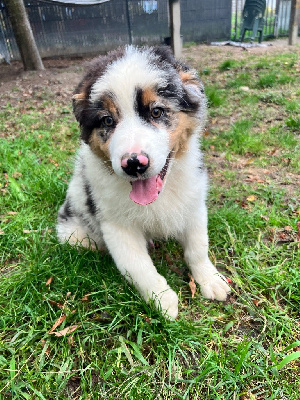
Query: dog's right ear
80	103
82	112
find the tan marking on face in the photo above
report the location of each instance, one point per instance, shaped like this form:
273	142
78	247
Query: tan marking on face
188	77
148	97
110	106
179	138
79	96
100	148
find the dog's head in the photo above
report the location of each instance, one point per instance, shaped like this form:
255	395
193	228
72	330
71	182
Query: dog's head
137	109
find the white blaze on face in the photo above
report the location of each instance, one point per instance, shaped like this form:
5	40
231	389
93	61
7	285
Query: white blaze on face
125	75
132	134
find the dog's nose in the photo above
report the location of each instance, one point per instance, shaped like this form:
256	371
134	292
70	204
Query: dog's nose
134	164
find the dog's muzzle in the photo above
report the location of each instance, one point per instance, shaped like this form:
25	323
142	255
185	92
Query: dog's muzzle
135	164
144	190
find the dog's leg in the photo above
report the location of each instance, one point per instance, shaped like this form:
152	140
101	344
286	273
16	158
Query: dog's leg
195	243
128	248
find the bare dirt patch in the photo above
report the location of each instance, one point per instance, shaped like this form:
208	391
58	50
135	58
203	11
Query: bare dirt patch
57	82
28	90
62	75
214	55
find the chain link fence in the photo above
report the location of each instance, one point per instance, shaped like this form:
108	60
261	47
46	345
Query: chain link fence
68	30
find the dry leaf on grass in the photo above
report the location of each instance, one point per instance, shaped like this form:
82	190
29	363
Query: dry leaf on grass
71	341
58	322
86	297
251	198
66	331
56	303
49	281
176	270
298	233
192	285
48	349
168	259
16	175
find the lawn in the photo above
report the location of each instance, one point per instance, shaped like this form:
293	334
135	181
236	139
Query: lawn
70	325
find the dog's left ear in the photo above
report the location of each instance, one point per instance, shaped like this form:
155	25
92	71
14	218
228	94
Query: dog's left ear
193	89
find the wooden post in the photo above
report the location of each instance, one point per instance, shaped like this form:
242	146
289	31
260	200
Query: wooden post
128	23
175	22
294	22
23	35
276	26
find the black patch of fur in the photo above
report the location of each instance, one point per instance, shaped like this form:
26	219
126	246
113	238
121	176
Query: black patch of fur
144	111
67	211
85	112
89	199
175	88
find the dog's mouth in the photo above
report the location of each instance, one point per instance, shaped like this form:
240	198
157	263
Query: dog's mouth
145	191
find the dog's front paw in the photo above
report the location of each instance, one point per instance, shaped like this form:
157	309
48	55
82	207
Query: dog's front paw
215	288
165	299
167	303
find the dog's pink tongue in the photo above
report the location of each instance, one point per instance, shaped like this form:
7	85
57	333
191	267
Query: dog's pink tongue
145	191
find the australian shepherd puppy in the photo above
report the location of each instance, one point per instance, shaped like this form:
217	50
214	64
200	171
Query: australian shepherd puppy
138	174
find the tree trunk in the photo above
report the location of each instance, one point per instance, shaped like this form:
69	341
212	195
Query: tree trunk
23	35
294	22
175	22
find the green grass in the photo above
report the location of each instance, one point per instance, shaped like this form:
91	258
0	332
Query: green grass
122	348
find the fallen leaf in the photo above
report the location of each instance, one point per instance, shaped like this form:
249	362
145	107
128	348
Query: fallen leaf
168	259
252	178
274	152
192	285
288	228
298	233
86	297
48	349
66	331
16	175
53	162
55	303
68	294
71	341
12	213
29	231
1	232
251	198
250	161
58	322
176	270
49	281
264	217
256	303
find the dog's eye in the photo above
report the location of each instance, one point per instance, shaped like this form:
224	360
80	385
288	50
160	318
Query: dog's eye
157	112
108	121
